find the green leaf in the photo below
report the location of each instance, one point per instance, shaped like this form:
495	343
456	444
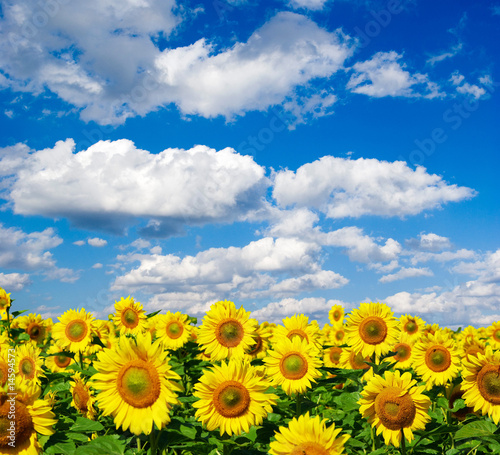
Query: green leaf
477	429
62	447
83	424
349	401
78	437
189	432
24	337
108	445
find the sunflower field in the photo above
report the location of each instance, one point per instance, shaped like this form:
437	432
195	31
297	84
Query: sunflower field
164	383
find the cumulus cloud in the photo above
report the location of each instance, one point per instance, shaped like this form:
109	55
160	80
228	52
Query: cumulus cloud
429	242
14	281
111	184
406	272
97	242
444	256
313	5
343	188
383	75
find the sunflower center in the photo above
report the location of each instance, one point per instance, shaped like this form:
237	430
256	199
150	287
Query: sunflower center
309	448
297	333
130	318
23	423
257	346
62	361
35	331
394	410
174	330
496	335
411	327
139	383
293	365
339	335
229	332
488	382
81	398
27	368
76	330
335	354
403	352
373	330
231	399
438	358
337	315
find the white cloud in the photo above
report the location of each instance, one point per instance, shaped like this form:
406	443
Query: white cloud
343	188
97	242
444	55
12	282
465	88
79	242
406	272
313	5
110	184
97	265
429	242
444	256
383	75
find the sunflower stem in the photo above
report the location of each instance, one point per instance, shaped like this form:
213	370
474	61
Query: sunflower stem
81	360
153	441
403	443
298	405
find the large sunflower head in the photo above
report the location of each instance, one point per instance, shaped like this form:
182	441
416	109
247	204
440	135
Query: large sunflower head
395	406
83	397
372	329
308	435
129	317
74	330
226	331
173	329
232	397
436	359
481	383
293	364
137	386
298	326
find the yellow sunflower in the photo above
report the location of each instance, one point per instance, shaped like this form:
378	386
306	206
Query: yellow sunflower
351	360
395	406
336	314
19	436
436	359
413	326
232	398
34	326
298	326
29	365
83	398
58	362
74	331
308	435
454	393
481	383
293	364
173	330
493	335
331	357
4	300
261	342
372	329
137	386
404	350
226	332
4	367
129	317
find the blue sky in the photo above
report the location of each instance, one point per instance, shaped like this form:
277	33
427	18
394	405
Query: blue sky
284	155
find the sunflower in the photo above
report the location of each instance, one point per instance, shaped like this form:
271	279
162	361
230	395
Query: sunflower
404	350
331	357
83	397
5	300
468	336
129	317
226	332
336	314
293	364
4	368
57	359
436	359
74	331
308	435
395	406
261	342
336	335
481	383
173	329
34	326
32	417
413	326
493	335
298	326
454	393
136	384
232	398
372	329
351	360
29	365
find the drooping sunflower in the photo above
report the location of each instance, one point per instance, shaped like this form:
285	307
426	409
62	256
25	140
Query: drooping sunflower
336	314
395	406
29	364
137	386
232	398
413	326
173	329
481	383
32	417
454	393
83	398
372	329
34	326
352	360
308	435
129	317
57	359
436	359
298	326
226	332
293	364
74	331
261	344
